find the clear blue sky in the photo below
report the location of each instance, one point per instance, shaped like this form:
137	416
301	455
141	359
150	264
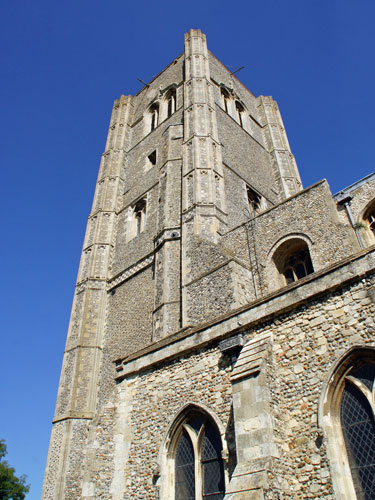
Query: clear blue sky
62	66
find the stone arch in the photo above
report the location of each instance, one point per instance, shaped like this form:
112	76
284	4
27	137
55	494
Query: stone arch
281	271
170	440
329	416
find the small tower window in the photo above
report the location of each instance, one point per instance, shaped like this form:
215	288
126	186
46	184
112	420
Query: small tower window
137	218
140	215
154	112
254	200
240	111
171	102
225	98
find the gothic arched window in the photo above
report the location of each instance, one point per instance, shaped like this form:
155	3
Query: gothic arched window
347	414
293	260
171	102
198	469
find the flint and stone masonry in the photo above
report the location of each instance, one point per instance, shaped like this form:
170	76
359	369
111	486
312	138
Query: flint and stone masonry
213	286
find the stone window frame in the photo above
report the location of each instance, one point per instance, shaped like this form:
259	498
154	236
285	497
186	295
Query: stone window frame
169	446
136	220
329	418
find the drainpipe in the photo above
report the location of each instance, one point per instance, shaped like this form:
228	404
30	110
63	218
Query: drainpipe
346	202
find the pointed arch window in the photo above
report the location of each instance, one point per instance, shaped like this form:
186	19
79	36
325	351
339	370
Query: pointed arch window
199	469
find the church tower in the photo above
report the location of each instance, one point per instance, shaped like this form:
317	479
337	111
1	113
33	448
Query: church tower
193	224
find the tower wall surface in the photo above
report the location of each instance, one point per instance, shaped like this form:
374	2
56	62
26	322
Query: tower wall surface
211	283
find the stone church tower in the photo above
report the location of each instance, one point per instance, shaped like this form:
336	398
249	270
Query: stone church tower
221	341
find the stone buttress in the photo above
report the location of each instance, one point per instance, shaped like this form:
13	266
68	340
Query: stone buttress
77	395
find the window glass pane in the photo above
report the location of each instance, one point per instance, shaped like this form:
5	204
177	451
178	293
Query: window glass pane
213	479
212	464
184	469
359	433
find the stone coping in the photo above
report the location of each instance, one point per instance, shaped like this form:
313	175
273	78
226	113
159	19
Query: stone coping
278	302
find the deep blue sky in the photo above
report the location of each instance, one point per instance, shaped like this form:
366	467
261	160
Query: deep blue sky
63	65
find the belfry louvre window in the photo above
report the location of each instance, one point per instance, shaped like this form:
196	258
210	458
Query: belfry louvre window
199	471
358	427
